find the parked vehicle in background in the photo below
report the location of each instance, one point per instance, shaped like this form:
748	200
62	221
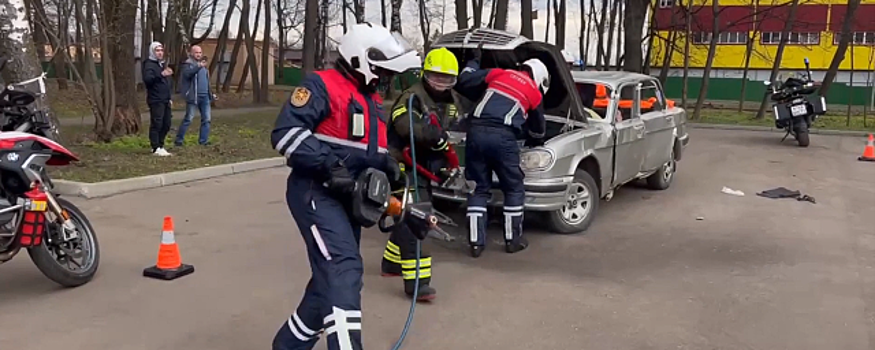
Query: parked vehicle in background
796	106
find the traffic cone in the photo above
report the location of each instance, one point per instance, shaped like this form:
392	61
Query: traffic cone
869	151
169	265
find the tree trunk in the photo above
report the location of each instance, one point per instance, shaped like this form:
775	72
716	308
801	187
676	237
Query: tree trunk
396	15
634	16
669	49
501	14
383	12
264	96
252	66
16	43
423	25
221	45
462	13
620	24
477	6
359	10
238	43
583	40
547	28
612	27
560	10
527	29
788	26
120	17
712	50
309	47
343	7
688	35
748	52
839	56
601	55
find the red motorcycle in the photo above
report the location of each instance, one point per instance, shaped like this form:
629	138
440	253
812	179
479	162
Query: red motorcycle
58	237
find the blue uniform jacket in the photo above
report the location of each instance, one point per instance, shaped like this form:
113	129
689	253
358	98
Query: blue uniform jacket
498	109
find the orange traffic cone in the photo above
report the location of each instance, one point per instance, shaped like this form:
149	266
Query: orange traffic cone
169	265
869	151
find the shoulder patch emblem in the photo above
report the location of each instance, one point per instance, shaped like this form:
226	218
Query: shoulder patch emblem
300	97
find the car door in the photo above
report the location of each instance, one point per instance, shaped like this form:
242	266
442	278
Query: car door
658	125
629	143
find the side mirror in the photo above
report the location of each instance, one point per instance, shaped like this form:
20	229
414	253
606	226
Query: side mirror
808	68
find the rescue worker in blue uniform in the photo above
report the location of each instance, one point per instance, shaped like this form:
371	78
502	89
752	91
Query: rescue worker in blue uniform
332	129
433	112
508	108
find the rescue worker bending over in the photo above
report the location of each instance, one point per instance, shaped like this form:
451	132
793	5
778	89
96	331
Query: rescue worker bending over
433	112
331	130
509	107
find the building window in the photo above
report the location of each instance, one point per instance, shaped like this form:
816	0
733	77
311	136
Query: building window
793	38
666	4
726	38
860	38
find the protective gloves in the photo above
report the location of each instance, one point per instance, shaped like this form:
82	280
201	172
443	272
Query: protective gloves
393	172
442	143
340	182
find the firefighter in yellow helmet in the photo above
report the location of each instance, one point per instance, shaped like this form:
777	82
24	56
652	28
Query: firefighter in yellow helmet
433	111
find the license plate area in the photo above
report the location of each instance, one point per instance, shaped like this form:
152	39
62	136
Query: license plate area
798	110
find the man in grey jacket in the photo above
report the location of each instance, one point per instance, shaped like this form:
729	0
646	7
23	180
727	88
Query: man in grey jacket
195	88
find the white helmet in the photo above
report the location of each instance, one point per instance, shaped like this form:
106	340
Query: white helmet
569	58
367	46
539	73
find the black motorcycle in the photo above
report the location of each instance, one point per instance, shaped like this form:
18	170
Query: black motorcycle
796	106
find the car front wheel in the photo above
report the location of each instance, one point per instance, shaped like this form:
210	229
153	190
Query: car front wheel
580	207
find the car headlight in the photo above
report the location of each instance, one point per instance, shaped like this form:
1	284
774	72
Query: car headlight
536	160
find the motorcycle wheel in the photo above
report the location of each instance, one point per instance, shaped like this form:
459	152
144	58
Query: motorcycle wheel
801	134
53	257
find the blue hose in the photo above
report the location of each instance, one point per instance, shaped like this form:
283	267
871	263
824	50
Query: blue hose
418	242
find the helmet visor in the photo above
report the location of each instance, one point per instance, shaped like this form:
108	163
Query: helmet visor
439	81
394	54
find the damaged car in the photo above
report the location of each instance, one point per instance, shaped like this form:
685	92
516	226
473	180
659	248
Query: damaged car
604	130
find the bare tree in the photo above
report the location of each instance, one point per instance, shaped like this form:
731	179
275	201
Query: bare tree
501	14
845	39
748	52
219	55
462	13
560	10
712	50
688	36
121	115
634	17
396	16
264	96
788	26
309	47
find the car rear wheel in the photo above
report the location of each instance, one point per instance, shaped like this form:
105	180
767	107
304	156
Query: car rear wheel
581	205
662	179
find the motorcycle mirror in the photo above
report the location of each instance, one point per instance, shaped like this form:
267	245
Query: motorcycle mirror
806	61
767	83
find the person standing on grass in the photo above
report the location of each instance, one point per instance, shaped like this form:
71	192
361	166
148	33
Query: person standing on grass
156	78
195	87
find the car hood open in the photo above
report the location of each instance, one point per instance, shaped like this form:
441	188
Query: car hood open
508	50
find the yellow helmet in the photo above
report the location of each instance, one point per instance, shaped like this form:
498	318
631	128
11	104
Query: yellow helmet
441	61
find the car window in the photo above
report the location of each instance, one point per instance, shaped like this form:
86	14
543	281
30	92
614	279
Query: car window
595	98
651	97
627	94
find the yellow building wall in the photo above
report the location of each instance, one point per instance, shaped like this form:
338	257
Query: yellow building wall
732	56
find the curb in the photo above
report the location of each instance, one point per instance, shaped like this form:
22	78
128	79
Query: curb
771	129
114	187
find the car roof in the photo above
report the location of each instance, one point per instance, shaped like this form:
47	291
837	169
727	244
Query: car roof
492	39
609	78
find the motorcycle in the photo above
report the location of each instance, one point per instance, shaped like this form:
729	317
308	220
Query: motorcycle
796	106
58	237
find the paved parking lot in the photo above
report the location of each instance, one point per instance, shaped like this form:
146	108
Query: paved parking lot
754	273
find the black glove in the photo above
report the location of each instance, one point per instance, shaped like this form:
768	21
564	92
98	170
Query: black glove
475	54
393	171
533	142
340	181
442	143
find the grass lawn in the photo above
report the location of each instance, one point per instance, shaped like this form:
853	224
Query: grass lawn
234	139
73	102
831	121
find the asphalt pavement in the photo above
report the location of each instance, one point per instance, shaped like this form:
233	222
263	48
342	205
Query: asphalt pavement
685	268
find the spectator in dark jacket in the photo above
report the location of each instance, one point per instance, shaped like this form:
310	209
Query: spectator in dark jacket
195	88
156	78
